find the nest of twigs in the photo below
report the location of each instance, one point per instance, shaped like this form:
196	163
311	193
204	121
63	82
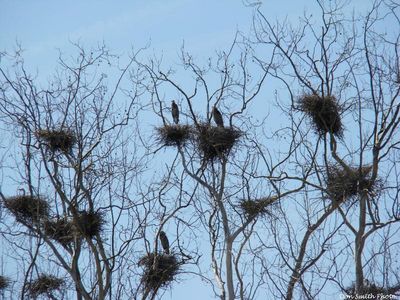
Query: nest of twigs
343	184
160	270
258	207
174	135
4	282
44	284
324	113
60	230
213	142
372	291
90	224
57	140
27	209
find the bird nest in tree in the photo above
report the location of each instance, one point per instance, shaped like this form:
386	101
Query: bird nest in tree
174	135
27	209
57	140
89	224
159	270
60	230
324	113
216	141
343	184
372	291
256	207
44	284
4	282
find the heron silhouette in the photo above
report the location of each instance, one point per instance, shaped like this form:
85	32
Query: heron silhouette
175	112
164	242
217	117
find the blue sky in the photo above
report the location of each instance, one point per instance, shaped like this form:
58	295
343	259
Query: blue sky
44	26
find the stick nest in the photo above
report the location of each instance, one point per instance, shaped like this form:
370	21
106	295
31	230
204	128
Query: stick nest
174	135
27	209
60	230
258	207
4	282
216	141
370	288
89	224
324	113
160	270
57	140
44	284
345	184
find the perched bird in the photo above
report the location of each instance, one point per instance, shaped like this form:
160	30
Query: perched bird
217	117
175	112
21	192
164	242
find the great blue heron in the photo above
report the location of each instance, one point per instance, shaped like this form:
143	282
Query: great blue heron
164	242
21	192
175	112
217	117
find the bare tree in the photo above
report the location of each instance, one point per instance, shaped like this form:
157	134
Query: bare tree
223	162
353	64
129	192
76	166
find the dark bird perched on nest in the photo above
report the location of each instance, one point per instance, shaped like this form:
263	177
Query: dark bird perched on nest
175	112
217	117
164	242
21	192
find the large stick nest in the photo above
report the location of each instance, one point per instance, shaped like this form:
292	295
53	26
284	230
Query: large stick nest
160	270
174	135
4	282
27	209
343	184
44	284
324	113
376	291
258	207
60	230
90	224
213	142
57	140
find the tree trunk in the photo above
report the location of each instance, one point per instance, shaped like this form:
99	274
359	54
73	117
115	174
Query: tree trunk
359	246
229	270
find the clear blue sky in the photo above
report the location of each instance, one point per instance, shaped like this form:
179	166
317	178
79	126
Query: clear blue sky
43	26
